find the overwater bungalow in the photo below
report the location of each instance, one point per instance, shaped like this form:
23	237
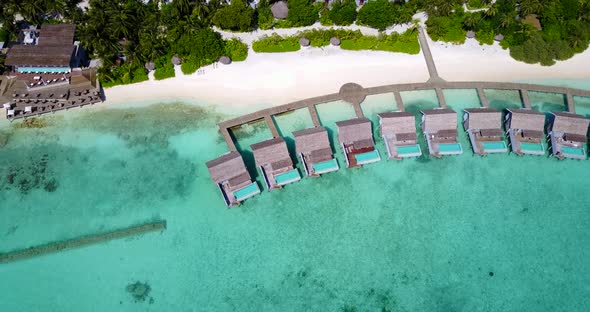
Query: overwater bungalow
355	137
569	135
313	148
440	128
231	176
398	130
525	131
275	164
484	127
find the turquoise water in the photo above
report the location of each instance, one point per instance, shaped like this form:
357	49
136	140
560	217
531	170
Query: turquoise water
494	145
450	148
408	149
572	150
367	157
534	147
287	177
247	191
464	233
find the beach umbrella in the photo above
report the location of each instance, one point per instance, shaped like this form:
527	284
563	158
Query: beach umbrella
225	60
280	10
335	41
304	42
150	66
471	34
176	60
499	37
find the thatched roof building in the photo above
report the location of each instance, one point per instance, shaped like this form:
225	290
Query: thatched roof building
280	10
150	66
273	152
398	130
572	125
335	41
355	131
470	34
228	167
528	120
176	60
484	127
54	48
304	42
225	60
313	147
436	120
483	118
499	37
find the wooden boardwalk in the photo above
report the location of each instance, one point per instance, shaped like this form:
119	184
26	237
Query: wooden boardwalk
355	94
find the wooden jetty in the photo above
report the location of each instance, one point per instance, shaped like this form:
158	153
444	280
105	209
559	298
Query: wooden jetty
83	241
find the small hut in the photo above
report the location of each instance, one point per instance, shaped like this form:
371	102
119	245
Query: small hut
335	41
355	137
398	130
304	42
280	10
525	131
470	34
230	175
533	20
150	66
176	60
313	148
440	128
273	160
225	60
499	37
569	135
484	127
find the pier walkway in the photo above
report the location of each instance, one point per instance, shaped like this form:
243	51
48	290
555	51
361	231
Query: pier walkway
355	94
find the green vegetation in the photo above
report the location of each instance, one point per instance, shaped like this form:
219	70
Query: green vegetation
381	14
236	50
265	19
476	4
350	40
276	43
164	68
302	13
447	28
342	12
124	74
238	16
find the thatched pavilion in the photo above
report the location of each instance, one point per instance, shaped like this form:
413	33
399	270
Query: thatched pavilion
229	173
569	135
176	60
150	66
470	34
499	37
304	42
355	137
225	60
525	131
280	10
440	128
313	148
335	41
273	160
398	130
484	127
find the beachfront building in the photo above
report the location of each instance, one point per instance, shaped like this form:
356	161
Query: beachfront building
274	162
355	137
484	127
44	74
230	175
440	128
313	148
525	131
398	130
568	133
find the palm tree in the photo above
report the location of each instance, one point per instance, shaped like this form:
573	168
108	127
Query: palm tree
506	20
492	10
471	21
530	6
584	12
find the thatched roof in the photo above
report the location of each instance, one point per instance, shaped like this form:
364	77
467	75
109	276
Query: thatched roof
335	41
225	60
499	37
436	120
304	42
397	123
484	118
354	130
55	48
470	34
570	123
280	10
176	60
270	151
533	20
150	66
526	119
312	139
226	167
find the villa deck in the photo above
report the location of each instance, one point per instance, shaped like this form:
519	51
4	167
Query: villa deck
398	130
440	128
230	175
274	162
355	137
313	148
525	131
484	127
568	135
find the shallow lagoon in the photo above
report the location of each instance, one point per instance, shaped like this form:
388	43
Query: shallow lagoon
463	233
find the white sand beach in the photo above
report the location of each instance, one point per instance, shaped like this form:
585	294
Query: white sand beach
272	79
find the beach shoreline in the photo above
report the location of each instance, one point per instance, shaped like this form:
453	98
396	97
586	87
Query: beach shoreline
271	79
